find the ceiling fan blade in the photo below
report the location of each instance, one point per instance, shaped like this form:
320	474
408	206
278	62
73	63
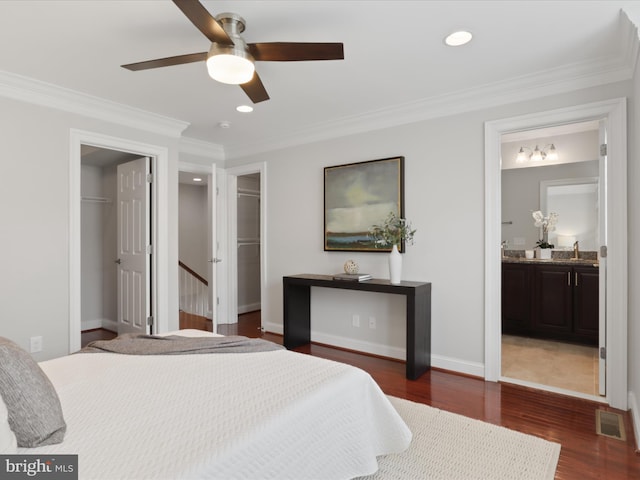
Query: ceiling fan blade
296	51
255	89
202	19
167	62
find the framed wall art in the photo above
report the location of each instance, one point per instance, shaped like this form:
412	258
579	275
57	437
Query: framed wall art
357	196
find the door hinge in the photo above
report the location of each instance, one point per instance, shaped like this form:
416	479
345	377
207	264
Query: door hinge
150	321
150	249
603	251
603	353
217	300
149	177
603	150
217	191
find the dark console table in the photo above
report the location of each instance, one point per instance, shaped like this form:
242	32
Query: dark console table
297	313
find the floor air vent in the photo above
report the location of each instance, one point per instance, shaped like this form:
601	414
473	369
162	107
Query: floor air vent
610	425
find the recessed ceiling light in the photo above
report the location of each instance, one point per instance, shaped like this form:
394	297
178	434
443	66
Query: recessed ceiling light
244	108
197	179
458	38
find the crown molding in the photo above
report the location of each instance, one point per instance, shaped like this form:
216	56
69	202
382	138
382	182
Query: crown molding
25	89
193	146
555	81
542	84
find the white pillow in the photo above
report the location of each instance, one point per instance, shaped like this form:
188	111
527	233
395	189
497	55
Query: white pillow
8	444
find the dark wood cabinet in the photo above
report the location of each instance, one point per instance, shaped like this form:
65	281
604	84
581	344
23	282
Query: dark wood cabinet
551	301
586	306
516	298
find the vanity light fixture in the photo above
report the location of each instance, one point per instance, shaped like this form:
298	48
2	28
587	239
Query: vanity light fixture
197	179
548	152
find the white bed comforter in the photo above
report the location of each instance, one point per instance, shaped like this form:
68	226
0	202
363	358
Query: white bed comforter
270	415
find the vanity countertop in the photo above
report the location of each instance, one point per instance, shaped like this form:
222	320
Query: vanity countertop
552	261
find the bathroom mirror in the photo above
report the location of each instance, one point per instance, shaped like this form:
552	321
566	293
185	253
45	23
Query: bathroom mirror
576	201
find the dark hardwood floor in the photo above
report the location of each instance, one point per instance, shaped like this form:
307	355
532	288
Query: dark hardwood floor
566	420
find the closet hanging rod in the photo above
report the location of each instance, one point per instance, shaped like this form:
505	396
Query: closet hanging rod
244	244
96	199
243	194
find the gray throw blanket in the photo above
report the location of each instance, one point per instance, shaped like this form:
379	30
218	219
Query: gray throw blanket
136	344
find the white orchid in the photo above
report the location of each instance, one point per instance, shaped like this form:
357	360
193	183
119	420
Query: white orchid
547	223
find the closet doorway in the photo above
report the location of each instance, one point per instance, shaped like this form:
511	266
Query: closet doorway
248	243
115	241
246	203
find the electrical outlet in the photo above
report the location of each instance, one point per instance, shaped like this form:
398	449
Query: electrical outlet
35	344
372	322
355	320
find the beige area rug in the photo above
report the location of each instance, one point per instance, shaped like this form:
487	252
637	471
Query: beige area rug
447	446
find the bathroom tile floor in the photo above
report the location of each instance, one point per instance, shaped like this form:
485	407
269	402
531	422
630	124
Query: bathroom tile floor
556	364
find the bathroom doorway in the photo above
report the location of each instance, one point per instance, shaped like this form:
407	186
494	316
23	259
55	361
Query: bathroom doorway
614	343
550	323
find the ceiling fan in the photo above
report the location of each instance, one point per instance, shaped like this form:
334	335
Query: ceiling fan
230	59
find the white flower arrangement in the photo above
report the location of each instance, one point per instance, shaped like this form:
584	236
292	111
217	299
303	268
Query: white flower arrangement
548	224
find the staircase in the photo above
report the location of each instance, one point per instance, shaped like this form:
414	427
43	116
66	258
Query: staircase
193	291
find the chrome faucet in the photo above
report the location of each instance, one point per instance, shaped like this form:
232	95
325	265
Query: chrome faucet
503	247
576	251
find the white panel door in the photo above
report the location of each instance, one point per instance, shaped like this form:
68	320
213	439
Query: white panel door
133	246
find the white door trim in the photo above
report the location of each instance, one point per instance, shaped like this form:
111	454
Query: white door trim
615	112
160	200
232	236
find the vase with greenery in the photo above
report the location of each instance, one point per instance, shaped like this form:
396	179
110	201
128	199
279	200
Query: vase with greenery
392	232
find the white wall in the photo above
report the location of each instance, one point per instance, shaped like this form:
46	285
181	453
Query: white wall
248	233
193	227
521	196
110	249
634	253
35	216
444	192
92	248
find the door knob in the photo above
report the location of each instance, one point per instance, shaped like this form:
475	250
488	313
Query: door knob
215	260
118	261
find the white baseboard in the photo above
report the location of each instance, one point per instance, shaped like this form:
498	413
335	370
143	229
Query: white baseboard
438	361
99	323
456	365
110	325
251	307
359	345
635	418
91	324
276	328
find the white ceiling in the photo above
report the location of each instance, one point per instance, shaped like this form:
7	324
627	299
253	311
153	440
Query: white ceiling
395	58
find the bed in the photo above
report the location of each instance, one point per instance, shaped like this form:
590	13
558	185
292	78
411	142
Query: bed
263	415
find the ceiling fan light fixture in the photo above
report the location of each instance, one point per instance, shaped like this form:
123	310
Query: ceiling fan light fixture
229	64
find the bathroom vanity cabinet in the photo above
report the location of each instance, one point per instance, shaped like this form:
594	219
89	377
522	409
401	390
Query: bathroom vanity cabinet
551	300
